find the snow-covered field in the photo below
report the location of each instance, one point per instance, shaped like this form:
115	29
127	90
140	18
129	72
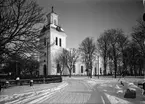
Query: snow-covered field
30	97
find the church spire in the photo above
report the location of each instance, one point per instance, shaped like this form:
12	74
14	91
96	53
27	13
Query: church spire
52	17
52	9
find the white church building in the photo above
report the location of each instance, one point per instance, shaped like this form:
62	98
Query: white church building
53	39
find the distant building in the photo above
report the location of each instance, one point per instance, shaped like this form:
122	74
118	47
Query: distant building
53	40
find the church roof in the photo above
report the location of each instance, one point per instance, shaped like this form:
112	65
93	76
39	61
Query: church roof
47	27
58	28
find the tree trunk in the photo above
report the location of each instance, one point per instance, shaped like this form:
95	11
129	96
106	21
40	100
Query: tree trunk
69	72
115	66
144	68
91	69
62	70
115	60
105	65
91	74
131	71
140	69
134	68
141	66
87	69
60	73
124	66
120	70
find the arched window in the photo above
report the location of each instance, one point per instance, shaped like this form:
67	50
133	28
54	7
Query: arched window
56	41
81	69
95	71
60	42
74	69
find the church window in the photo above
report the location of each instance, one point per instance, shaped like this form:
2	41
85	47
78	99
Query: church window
74	69
81	69
60	42
56	41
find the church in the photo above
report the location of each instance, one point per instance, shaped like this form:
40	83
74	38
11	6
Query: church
53	39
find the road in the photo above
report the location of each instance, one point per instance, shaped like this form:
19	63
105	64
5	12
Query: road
75	90
78	91
71	91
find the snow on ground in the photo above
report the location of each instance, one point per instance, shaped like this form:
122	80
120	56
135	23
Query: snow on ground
120	91
114	91
93	83
110	89
118	87
116	100
132	85
24	97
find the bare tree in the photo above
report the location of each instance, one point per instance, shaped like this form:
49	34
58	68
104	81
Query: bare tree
88	52
19	27
113	52
123	44
21	65
71	58
138	37
103	45
133	58
60	61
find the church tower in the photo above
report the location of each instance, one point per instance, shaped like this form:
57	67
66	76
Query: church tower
52	18
52	41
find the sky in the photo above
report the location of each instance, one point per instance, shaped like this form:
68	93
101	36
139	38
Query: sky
89	18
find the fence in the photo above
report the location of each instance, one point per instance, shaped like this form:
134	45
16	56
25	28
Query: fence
8	83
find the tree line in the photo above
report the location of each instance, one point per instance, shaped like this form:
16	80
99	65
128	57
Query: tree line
122	54
125	52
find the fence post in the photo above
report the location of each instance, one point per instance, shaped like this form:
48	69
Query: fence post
31	82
